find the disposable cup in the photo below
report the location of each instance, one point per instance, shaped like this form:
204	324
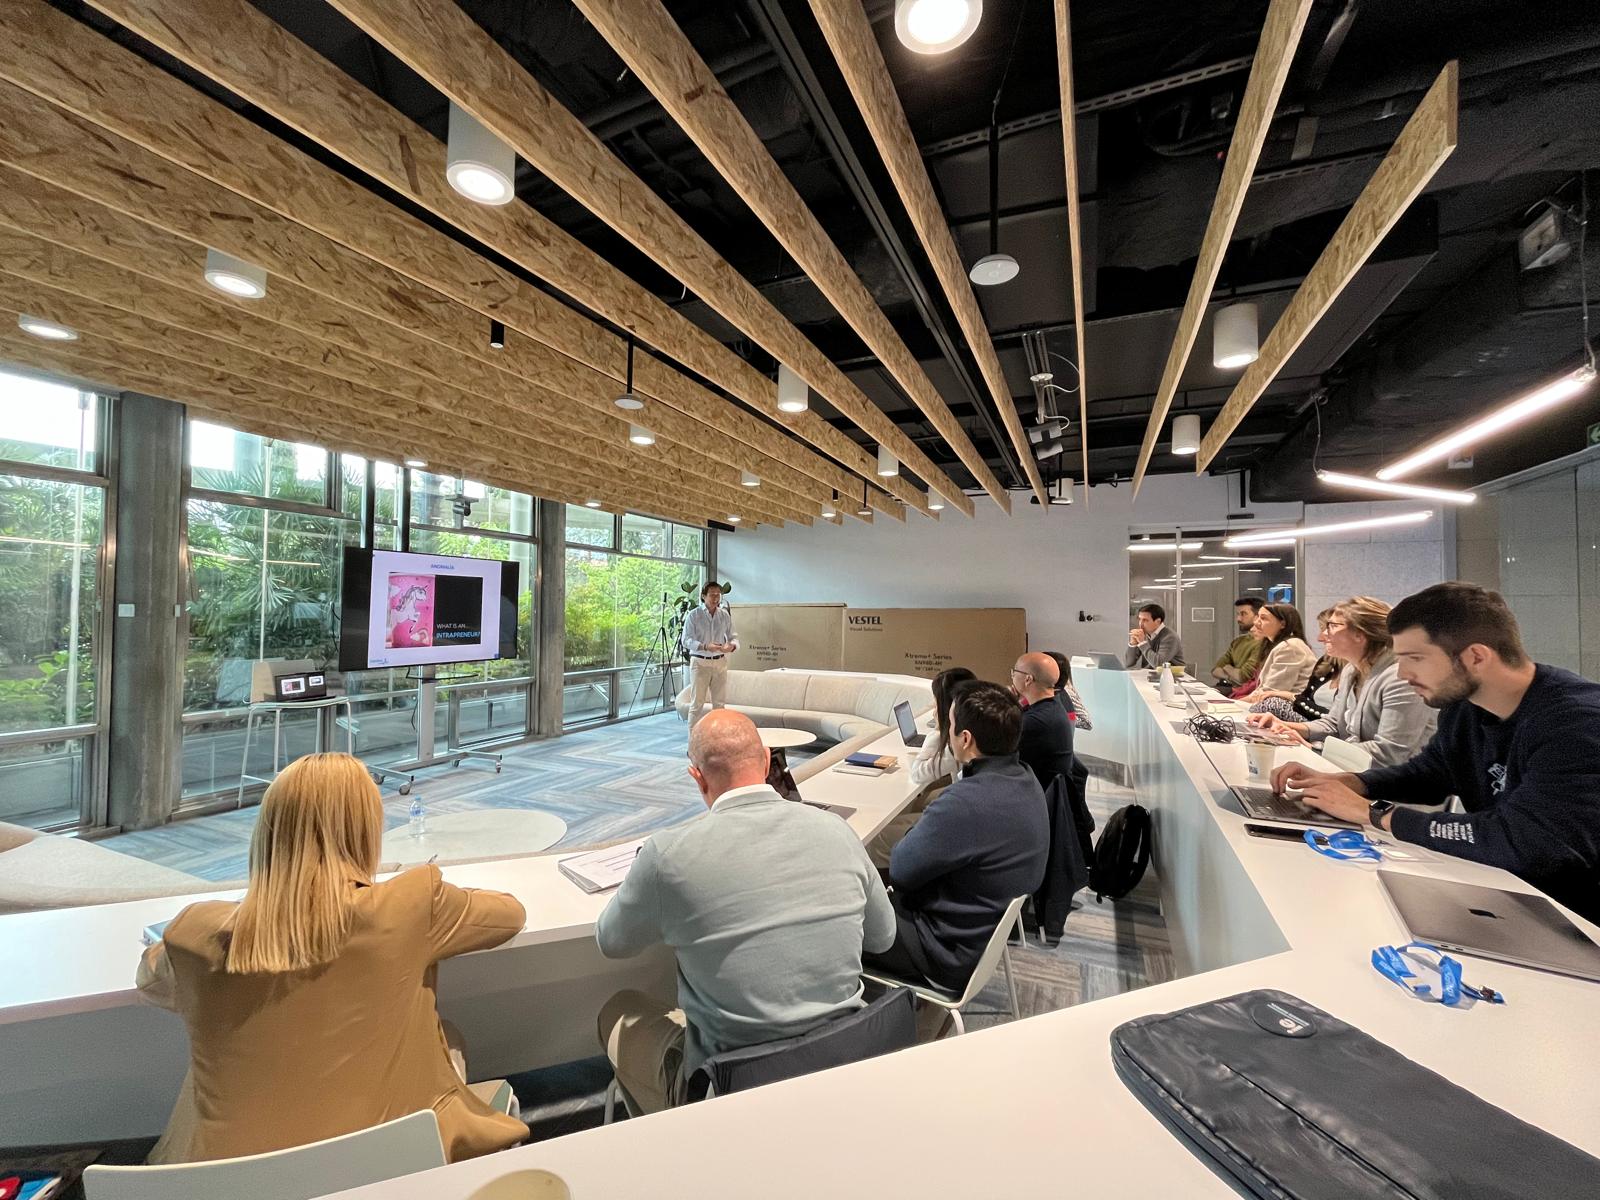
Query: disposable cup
1261	756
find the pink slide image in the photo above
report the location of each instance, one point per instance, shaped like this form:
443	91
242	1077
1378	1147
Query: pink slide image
410	613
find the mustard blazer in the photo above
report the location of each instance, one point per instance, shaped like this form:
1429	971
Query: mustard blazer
279	1060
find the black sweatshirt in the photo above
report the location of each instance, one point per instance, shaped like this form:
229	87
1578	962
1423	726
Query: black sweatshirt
1530	785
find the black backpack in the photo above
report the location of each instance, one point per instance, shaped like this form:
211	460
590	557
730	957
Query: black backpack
1121	854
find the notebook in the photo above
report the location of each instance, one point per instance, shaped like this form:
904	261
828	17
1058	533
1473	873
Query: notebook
601	870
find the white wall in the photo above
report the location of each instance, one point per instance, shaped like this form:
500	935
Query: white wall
1387	563
1052	562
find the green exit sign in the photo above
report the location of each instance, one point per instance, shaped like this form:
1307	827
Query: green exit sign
1594	435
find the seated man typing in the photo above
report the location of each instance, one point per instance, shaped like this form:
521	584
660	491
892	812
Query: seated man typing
1518	742
767	904
980	844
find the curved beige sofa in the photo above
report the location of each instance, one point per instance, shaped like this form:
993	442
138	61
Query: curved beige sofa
43	870
850	710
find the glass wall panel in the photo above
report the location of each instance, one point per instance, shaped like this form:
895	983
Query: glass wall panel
226	460
49	424
590	527
43	784
50	540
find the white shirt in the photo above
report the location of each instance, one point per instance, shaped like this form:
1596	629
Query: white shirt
703	627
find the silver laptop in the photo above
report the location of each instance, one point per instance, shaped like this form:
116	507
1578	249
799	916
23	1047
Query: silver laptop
1512	927
908	724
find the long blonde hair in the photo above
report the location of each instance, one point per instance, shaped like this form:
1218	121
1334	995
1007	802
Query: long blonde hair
1369	617
320	829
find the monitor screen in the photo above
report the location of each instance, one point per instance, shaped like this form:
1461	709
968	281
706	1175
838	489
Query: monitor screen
401	609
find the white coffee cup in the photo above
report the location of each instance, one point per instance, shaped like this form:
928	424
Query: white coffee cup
1261	755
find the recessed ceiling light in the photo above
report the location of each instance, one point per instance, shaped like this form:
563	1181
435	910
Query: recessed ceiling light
479	165
935	26
591	504
935	505
416	463
235	277
733	518
49	330
994	269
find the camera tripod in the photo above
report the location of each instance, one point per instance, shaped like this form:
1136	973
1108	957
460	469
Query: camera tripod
664	654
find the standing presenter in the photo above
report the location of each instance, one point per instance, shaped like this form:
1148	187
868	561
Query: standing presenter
709	638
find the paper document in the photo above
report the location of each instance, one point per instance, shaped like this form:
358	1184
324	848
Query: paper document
601	870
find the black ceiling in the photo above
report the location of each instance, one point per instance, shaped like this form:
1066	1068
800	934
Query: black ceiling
1440	322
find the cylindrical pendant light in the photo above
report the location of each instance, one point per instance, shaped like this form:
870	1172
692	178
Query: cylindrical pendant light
749	478
1233	336
478	164
994	268
830	508
888	465
793	396
640	436
1186	433
628	402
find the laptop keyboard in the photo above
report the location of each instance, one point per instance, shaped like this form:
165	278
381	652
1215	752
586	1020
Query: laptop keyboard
1266	800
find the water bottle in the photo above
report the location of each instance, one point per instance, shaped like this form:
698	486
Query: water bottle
419	818
1169	689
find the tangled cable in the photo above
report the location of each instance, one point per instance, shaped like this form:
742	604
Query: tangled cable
1212	729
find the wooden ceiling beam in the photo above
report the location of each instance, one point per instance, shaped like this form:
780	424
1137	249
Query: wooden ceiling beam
248	53
1069	146
71	153
528	413
259	408
1280	34
437	40
1420	150
626	470
849	34
654	47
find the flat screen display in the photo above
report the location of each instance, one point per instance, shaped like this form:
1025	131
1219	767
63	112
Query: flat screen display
401	609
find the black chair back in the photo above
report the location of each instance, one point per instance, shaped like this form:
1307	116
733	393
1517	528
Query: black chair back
887	1024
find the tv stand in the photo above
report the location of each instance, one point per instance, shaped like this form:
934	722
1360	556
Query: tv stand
427	755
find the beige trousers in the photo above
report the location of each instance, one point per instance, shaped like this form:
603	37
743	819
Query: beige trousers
710	678
643	1038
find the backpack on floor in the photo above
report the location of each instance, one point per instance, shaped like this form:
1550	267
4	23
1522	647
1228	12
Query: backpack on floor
1121	854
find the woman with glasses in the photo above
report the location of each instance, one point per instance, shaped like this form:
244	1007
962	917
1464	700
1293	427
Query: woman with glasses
1374	708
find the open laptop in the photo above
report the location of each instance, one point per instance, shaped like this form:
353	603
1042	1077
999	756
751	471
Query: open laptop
1511	927
908	724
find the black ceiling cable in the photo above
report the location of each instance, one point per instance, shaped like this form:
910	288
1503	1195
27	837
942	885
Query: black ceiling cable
1583	266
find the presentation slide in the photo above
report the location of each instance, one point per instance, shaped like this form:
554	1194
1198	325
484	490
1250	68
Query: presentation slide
432	609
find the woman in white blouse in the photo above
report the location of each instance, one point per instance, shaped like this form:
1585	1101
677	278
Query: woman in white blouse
934	764
1287	663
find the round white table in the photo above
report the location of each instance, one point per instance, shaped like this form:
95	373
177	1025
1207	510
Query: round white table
776	738
481	833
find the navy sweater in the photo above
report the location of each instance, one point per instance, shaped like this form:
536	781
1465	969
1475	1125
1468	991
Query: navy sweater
1530	785
1046	745
980	844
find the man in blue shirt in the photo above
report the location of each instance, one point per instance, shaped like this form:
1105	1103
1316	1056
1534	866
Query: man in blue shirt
1518	743
981	843
709	638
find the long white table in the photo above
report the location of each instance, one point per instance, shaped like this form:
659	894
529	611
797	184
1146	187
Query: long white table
1033	1108
82	1058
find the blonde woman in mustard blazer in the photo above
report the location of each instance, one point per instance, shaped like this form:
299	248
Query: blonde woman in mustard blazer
310	1003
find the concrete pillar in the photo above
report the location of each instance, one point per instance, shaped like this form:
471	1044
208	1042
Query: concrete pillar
550	616
147	650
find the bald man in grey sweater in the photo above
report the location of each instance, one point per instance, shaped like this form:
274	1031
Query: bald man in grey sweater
768	905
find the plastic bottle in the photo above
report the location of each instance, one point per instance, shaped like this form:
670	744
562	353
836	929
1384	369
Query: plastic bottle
419	818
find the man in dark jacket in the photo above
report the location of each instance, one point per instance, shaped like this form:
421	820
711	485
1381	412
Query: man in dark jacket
1518	742
980	844
1045	745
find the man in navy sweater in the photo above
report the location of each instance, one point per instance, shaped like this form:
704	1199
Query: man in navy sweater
1045	746
1518	742
981	843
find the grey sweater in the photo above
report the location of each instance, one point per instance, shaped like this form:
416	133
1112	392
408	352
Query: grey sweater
1383	716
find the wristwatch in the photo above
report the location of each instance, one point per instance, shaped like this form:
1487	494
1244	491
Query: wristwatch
1377	809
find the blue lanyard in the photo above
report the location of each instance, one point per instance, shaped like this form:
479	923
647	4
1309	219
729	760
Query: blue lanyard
1346	845
1394	963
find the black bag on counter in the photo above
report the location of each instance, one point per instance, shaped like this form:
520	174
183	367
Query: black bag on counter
1284	1101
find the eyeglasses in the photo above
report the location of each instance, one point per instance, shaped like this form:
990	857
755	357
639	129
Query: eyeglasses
1020	674
1334	626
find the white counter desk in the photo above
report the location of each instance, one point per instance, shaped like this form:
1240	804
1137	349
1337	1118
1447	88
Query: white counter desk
1034	1108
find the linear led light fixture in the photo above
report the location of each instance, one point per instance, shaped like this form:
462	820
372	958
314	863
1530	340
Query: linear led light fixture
1167	547
1519	410
1218	560
1278	537
1410	491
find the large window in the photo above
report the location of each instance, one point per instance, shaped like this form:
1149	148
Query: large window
624	579
52	538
